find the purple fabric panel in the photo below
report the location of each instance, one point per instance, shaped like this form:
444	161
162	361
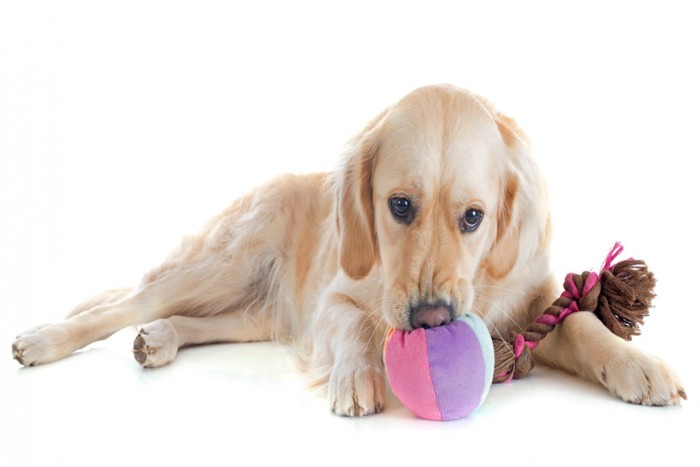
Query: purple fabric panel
458	381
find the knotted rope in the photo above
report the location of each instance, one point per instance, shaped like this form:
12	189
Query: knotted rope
620	296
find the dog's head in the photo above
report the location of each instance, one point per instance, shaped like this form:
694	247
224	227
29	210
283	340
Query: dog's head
440	193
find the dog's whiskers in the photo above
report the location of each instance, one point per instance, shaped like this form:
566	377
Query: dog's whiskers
491	324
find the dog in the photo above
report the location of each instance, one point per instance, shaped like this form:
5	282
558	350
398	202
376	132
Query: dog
436	208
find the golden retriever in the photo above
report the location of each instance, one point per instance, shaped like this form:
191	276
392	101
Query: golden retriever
436	209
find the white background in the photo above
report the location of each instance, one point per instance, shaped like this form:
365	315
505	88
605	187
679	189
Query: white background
125	125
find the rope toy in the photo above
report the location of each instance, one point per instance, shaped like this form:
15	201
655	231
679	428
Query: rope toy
620	296
444	373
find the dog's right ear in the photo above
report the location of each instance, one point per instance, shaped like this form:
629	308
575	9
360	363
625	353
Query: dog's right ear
358	249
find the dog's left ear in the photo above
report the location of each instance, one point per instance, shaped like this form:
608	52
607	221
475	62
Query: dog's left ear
355	213
523	217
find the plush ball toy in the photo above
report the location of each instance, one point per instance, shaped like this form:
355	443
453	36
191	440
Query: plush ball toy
441	373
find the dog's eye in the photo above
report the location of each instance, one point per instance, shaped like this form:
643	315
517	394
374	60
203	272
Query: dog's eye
471	220
401	209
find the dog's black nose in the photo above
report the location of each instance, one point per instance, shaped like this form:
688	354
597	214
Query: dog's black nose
430	315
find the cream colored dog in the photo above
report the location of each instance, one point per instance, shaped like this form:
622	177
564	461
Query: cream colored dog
436	209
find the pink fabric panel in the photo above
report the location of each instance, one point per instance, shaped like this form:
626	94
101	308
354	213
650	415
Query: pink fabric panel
407	357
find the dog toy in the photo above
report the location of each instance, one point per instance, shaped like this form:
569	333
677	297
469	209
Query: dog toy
441	373
445	373
620	295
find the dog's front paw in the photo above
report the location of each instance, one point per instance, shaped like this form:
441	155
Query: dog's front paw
356	389
641	379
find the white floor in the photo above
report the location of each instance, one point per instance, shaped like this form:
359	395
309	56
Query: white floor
248	404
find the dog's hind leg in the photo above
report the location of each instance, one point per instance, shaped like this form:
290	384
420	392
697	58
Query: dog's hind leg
51	342
240	260
185	287
103	298
158	342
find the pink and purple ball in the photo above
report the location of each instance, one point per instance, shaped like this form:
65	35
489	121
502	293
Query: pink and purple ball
441	373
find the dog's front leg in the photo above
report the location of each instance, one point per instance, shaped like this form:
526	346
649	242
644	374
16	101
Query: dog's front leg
582	345
348	339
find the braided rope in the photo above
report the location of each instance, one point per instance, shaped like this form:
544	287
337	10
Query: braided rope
620	296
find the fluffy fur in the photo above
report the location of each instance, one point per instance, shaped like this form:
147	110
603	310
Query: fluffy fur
320	261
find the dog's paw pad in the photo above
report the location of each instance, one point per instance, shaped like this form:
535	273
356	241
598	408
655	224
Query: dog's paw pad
156	345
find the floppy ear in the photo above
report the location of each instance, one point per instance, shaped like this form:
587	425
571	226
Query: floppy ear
355	213
504	252
523	216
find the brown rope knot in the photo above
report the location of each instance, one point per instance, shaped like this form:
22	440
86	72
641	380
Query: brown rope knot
628	292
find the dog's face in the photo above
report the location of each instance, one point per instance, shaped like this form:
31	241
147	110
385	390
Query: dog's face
432	193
